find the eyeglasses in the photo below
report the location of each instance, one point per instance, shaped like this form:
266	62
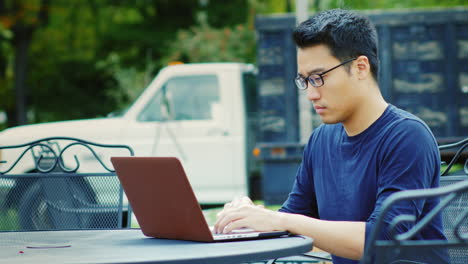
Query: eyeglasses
316	79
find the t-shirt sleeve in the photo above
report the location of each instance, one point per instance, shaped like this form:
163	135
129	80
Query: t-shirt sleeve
301	199
409	160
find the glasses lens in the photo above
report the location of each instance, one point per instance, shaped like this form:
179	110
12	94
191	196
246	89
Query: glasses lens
315	80
301	83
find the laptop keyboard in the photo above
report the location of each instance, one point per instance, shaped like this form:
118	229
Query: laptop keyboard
237	233
234	235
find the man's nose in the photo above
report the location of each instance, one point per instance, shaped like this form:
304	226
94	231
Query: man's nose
313	93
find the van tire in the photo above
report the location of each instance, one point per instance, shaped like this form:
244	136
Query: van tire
36	214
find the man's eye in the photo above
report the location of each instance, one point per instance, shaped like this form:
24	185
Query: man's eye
316	78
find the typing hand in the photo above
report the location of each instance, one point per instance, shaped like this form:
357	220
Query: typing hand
242	212
237	202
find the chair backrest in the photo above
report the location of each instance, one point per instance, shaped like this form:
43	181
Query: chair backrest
450	219
461	150
400	246
457	255
61	183
453	195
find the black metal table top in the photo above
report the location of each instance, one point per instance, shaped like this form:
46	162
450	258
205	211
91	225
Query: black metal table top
131	246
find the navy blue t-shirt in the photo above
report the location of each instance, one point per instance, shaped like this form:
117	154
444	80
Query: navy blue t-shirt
347	178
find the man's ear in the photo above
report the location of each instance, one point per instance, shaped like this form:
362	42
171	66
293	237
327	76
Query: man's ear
362	67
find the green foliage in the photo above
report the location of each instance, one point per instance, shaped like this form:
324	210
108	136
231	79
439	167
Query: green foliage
5	33
387	4
220	13
9	220
272	6
62	68
75	89
456	167
130	80
134	30
204	43
6	72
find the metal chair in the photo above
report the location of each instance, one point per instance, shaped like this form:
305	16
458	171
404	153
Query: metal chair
461	146
307	258
453	195
453	200
457	255
61	183
450	219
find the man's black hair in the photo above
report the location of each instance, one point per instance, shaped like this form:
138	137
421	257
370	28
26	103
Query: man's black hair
347	34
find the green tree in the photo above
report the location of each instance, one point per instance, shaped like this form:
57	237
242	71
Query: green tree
59	34
22	18
65	81
203	43
220	37
6	73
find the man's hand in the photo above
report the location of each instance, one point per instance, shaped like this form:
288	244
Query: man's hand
341	238
242	212
237	202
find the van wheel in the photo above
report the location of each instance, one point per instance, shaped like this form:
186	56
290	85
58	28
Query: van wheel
35	213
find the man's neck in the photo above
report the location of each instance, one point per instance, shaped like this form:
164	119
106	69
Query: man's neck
367	113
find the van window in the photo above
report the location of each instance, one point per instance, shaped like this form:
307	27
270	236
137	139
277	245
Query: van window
183	98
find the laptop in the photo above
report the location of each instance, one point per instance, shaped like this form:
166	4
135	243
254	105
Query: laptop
164	203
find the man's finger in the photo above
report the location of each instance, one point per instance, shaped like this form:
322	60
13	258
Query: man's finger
220	219
236	201
247	200
232	216
234	225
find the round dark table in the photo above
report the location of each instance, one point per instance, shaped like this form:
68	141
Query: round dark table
131	246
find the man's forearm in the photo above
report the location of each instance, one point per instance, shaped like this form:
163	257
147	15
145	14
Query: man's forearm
341	238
